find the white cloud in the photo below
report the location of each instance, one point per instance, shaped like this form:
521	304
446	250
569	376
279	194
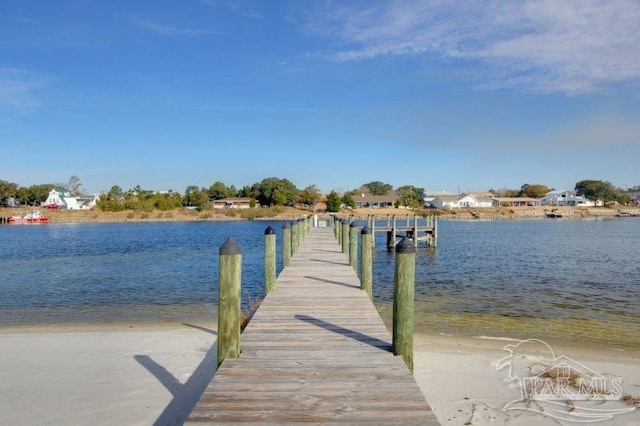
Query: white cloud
170	31
18	87
568	46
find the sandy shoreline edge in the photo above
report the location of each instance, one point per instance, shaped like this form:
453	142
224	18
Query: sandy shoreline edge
146	373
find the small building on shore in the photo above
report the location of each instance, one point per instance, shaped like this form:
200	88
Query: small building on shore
515	202
365	201
232	203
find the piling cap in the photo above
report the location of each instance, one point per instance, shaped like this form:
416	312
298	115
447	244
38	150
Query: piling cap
365	231
269	231
405	246
353	225
230	247
287	225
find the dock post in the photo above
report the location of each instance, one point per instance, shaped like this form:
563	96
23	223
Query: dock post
269	260
345	236
435	231
338	231
403	294
230	277
415	230
366	261
294	237
373	231
286	244
303	230
353	246
391	235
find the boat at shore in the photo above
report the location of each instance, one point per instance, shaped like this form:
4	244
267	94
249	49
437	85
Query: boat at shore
28	218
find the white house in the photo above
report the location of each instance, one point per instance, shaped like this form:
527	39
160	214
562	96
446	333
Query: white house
461	201
62	199
567	198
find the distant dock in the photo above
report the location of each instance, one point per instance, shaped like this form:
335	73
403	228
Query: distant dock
417	228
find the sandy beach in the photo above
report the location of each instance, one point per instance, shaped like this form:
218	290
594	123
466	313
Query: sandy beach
142	374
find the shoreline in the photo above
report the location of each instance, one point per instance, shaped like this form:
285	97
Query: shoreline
184	215
141	373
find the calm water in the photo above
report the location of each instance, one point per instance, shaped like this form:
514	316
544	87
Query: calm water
575	280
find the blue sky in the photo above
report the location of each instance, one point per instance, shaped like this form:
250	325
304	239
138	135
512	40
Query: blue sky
444	95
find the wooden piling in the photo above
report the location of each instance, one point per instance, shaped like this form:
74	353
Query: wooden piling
353	246
269	260
345	237
300	232
403	294
286	244
366	262
435	232
230	277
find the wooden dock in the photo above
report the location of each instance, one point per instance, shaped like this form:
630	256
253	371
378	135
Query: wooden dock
417	228
316	351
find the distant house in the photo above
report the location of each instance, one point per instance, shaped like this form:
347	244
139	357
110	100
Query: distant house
375	201
515	202
61	199
232	203
567	198
430	196
12	202
461	201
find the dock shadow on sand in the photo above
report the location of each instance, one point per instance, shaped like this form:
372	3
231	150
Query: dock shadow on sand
185	396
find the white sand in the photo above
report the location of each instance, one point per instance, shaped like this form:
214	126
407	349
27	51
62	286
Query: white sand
106	376
141	375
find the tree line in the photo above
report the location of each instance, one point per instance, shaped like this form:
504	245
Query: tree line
274	191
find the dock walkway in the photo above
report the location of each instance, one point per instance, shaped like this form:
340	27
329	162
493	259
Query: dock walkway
316	351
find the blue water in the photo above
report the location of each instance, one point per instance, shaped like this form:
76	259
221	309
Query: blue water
133	271
544	277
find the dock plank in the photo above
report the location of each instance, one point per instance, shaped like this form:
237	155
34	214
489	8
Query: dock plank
316	351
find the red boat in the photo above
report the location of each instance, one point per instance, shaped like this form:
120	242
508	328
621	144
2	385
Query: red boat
32	217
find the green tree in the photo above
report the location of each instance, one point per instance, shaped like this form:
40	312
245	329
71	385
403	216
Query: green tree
189	197
378	188
113	201
246	192
597	190
624	198
35	194
347	200
219	190
410	196
309	196
333	202
533	190
196	197
167	201
274	191
7	190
